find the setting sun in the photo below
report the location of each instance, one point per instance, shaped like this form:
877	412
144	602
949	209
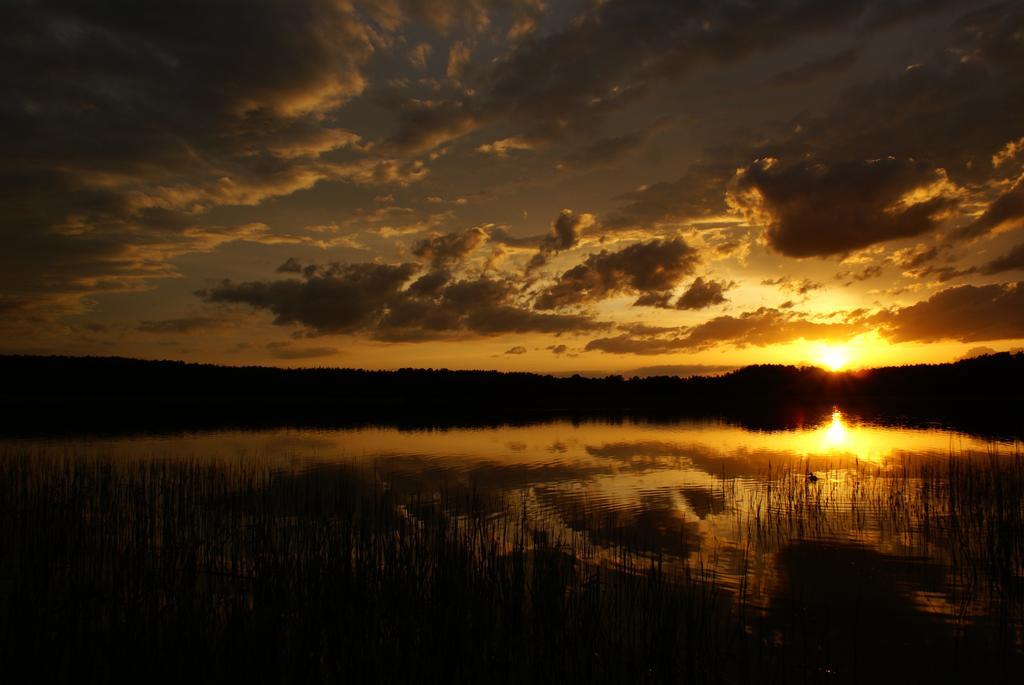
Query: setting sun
834	358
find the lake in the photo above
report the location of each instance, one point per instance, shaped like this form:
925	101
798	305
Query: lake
756	509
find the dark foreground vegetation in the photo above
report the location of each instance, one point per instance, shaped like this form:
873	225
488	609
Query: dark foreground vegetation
180	572
94	394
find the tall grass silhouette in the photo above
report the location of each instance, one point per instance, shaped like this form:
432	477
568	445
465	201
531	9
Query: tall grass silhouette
173	571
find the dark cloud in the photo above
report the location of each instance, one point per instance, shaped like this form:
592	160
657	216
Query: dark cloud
1005	210
699	295
500	236
643	267
518	349
430	284
699	193
375	299
124	123
702	294
955	108
817	209
890	159
761	327
1012	260
566	230
766	326
425	124
445	250
343	299
942	273
290	266
661	300
484	306
565	235
605	151
920	257
616	51
818	68
953	112
966	313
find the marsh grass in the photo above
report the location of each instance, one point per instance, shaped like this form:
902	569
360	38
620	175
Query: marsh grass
927	554
966	509
175	572
186	571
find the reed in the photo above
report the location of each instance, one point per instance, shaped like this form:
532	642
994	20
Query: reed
170	571
212	572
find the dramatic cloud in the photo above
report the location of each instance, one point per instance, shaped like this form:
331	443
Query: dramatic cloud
378	300
445	250
150	152
1012	260
699	295
759	328
1005	211
565	235
566	230
956	107
425	124
816	209
966	313
698	194
483	306
702	294
616	51
644	267
341	299
123	124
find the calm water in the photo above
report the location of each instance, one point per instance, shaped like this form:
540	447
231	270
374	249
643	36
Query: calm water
737	503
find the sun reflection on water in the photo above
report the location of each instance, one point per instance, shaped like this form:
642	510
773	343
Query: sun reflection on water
839	437
837	434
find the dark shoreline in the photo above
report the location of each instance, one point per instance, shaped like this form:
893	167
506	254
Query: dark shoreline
66	395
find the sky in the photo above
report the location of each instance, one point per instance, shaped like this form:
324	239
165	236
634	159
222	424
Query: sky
616	186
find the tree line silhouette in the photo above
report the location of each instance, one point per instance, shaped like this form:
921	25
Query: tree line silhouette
110	393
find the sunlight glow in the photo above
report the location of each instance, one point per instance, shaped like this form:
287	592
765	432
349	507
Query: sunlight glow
834	357
837	434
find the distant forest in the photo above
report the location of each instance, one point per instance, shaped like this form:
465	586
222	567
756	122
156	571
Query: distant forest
54	394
